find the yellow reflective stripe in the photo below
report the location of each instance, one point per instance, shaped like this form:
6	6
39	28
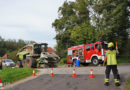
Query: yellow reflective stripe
117	81
106	80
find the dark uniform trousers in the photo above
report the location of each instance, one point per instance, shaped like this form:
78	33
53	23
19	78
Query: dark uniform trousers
114	70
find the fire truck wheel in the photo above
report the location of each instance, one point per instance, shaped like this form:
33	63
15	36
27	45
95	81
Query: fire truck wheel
95	61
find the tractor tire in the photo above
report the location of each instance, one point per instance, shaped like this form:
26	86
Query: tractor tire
95	61
19	64
30	62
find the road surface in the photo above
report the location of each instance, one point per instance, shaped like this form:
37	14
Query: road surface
63	80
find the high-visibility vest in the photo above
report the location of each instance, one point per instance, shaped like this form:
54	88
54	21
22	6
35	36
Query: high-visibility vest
111	57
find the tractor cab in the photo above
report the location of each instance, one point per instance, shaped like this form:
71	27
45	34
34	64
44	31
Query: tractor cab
38	48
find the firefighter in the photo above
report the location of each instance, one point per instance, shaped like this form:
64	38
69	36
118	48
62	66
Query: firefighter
110	58
75	57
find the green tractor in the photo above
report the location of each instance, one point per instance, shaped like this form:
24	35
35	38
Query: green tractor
36	55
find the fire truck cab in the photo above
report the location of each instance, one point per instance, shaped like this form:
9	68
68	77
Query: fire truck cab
90	53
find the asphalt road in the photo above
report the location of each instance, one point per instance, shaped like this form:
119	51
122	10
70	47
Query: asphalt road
63	81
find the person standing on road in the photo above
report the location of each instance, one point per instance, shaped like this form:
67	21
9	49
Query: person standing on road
74	57
110	58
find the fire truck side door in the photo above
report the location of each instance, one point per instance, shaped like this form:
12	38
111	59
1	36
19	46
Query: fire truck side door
88	52
81	54
97	49
92	50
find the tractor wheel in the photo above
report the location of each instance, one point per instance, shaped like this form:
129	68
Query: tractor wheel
95	61
19	64
30	62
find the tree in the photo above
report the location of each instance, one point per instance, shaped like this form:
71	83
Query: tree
112	18
73	18
87	21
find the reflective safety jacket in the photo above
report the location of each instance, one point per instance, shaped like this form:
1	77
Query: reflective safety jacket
111	57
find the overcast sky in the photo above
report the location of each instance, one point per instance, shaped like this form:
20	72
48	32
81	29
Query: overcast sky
29	19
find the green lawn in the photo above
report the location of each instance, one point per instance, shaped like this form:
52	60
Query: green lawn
128	84
9	75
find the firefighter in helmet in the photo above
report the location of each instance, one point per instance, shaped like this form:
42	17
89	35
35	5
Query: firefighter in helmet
111	61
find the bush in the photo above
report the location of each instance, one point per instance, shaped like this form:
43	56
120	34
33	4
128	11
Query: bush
63	60
13	56
128	84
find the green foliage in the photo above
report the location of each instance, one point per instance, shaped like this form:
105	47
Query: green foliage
11	47
128	84
12	55
7	46
83	22
113	18
73	17
10	75
63	60
123	60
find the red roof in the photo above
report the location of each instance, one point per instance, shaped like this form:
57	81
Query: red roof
49	49
5	56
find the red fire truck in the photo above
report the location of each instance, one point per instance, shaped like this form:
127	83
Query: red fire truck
90	53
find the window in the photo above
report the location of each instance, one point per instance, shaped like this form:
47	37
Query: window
92	47
81	51
104	46
88	48
96	46
70	52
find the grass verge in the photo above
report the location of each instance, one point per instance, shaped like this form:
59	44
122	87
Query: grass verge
128	84
9	75
122	61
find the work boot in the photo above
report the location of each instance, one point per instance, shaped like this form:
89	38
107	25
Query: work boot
106	83
117	82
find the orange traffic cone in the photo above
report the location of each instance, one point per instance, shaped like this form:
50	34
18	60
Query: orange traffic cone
1	85
33	73
52	74
91	74
74	74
